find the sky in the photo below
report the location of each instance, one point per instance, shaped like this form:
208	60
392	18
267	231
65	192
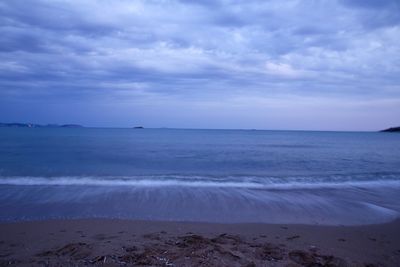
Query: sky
244	64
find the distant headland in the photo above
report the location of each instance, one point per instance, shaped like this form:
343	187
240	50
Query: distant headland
393	129
33	125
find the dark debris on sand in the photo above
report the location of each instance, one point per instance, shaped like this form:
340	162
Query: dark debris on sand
186	250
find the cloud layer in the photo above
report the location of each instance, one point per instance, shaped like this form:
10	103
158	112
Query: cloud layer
213	64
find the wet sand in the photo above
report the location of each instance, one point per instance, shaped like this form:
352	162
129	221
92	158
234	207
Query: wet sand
104	242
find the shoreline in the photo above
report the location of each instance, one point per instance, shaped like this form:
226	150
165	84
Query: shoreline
115	242
349	205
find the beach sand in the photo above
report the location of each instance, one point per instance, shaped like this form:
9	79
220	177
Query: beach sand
104	242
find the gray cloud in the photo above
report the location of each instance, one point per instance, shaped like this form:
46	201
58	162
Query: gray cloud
154	53
371	4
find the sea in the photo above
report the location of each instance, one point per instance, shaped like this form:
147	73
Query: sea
220	176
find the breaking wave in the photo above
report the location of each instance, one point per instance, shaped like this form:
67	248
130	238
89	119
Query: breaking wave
251	182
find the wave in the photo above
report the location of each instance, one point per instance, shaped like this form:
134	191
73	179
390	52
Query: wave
205	181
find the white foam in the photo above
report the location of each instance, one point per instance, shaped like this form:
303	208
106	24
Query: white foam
192	181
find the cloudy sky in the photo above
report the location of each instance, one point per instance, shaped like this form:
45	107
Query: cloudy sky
265	64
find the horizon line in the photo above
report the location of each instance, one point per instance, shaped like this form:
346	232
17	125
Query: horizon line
48	125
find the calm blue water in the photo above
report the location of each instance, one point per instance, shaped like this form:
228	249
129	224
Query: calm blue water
199	175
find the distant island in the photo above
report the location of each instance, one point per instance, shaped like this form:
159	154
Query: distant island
393	129
138	127
33	125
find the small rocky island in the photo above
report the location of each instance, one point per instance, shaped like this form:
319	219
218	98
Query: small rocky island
393	129
33	125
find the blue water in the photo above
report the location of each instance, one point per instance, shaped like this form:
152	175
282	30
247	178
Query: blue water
200	175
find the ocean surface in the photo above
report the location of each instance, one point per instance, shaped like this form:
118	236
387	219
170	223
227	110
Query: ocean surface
227	176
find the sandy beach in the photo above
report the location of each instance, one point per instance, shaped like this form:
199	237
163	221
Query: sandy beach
104	242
